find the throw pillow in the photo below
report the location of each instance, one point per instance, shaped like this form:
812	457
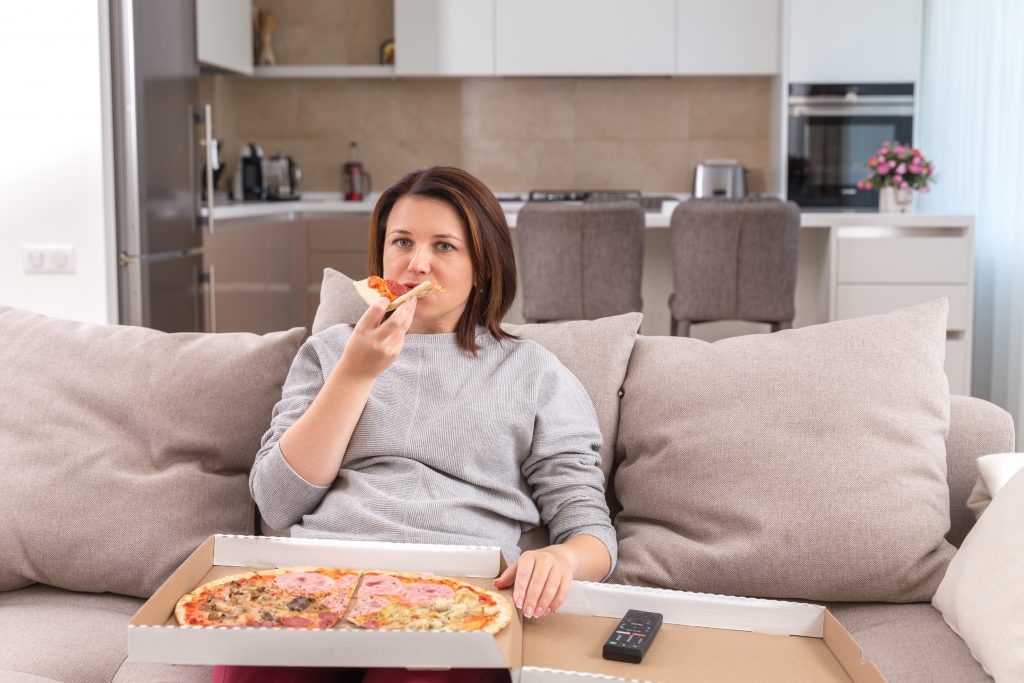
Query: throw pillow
805	464
596	351
982	596
125	447
994	472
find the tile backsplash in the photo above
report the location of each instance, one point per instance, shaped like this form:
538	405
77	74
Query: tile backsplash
516	134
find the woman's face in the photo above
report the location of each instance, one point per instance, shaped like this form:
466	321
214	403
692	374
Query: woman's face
425	240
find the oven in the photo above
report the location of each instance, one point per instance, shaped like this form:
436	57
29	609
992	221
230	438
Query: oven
833	129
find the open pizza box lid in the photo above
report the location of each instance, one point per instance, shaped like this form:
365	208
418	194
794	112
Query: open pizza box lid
155	636
703	638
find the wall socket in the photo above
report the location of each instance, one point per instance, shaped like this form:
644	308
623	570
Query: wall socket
48	258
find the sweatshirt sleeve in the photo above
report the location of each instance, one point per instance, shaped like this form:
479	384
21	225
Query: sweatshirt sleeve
281	495
563	467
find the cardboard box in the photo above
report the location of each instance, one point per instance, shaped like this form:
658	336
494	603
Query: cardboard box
154	634
704	637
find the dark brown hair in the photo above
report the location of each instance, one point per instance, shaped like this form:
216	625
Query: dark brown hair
490	244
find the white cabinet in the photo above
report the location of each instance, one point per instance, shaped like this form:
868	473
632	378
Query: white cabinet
879	269
727	37
224	34
869	41
444	37
585	37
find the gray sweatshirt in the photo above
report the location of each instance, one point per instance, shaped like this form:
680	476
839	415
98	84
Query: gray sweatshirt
450	449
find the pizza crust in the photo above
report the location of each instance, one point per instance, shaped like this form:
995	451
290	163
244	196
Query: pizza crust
370	295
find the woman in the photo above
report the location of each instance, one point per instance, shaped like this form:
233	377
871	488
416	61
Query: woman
434	425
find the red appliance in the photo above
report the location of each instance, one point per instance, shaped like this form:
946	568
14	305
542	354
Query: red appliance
357	182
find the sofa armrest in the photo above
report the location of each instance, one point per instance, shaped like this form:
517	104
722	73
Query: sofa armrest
976	428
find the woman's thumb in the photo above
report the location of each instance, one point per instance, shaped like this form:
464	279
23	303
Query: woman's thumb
507	577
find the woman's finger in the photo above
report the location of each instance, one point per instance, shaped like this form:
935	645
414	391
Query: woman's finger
507	576
541	570
556	577
526	563
373	316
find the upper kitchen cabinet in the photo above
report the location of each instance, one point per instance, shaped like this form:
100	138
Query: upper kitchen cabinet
585	38
444	37
224	34
727	37
870	41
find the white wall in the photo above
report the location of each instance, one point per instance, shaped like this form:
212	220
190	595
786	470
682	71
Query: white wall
56	177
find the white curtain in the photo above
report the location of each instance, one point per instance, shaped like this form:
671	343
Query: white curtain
971	124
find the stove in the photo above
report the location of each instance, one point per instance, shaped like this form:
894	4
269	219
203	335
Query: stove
582	195
651	203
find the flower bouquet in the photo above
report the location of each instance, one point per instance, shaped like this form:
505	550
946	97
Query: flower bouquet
896	171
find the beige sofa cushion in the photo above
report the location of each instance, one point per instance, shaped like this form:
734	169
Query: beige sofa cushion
596	351
808	463
982	594
124	447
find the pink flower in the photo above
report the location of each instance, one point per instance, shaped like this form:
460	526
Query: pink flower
925	189
904	185
897	179
872	161
898	149
901	169
915	168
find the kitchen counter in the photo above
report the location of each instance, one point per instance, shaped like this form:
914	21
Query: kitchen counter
331	203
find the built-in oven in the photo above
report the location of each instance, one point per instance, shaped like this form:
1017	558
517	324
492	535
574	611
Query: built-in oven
833	130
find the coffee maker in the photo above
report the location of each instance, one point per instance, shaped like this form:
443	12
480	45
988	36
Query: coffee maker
248	181
357	182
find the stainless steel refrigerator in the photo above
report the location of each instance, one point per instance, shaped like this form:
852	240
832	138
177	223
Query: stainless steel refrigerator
162	135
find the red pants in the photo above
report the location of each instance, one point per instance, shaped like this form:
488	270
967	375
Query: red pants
284	674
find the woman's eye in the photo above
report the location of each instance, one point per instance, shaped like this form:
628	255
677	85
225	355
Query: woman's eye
401	242
444	246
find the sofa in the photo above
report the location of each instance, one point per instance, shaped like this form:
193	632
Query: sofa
826	464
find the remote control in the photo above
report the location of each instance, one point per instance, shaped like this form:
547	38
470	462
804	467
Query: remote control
632	637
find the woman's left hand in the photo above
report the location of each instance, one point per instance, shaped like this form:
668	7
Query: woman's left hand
542	580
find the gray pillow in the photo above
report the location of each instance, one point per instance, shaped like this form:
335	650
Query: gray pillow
806	464
596	351
125	447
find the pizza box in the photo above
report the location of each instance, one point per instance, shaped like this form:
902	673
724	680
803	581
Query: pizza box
703	638
155	636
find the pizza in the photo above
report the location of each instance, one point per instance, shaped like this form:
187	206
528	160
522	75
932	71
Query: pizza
294	597
423	602
374	287
318	597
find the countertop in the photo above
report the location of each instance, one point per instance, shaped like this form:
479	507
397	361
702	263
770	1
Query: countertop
332	203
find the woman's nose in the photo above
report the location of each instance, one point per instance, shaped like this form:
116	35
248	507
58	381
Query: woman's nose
420	261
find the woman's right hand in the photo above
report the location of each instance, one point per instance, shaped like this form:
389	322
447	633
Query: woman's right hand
374	345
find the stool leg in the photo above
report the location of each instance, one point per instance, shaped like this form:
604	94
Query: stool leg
680	328
782	325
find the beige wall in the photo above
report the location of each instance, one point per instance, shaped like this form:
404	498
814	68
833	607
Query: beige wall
516	134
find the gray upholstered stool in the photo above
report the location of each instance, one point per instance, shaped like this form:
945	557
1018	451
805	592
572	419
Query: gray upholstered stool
580	261
734	260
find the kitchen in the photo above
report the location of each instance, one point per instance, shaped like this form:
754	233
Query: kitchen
529	98
536	127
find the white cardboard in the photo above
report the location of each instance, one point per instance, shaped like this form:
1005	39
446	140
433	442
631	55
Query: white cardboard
773	617
532	674
349	647
270	551
293	647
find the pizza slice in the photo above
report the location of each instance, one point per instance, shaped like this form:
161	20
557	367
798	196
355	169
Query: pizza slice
374	287
403	600
293	597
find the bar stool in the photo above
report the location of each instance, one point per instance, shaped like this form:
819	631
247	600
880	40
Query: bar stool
580	261
734	259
